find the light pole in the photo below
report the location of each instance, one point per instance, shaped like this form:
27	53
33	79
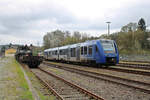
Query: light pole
108	27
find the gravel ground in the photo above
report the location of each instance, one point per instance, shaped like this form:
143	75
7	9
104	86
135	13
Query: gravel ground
13	85
131	76
107	90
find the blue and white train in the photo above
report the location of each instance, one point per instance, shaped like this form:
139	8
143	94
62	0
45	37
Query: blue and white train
100	52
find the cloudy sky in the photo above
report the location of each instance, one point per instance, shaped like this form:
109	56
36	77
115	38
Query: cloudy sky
27	21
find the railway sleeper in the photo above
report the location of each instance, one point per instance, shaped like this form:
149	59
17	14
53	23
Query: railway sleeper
76	97
73	95
66	93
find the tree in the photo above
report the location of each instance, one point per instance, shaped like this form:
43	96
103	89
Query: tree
3	49
141	24
85	37
129	27
10	45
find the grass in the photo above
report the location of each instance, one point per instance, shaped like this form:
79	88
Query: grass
27	95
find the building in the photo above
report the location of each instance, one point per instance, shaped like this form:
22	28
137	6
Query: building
10	52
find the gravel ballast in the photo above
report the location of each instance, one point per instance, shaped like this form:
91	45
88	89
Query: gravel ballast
107	90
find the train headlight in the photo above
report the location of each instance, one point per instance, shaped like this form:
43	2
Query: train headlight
112	59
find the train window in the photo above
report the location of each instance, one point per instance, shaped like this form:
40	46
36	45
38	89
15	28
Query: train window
56	52
85	50
60	52
90	50
65	51
81	50
96	48
50	53
73	52
108	45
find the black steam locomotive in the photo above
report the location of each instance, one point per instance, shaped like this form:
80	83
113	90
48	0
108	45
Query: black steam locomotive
24	55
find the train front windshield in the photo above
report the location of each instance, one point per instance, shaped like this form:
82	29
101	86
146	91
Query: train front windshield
108	46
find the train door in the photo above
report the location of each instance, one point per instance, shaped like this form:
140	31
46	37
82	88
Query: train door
78	53
58	53
68	53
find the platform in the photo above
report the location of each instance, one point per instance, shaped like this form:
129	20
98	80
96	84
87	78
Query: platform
13	85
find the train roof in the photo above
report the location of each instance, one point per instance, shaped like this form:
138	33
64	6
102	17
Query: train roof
86	43
74	45
64	47
51	49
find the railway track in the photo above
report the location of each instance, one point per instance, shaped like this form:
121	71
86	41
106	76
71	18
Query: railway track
143	62
134	65
142	86
129	70
63	89
41	87
133	69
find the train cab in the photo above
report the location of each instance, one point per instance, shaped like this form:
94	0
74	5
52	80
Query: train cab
107	52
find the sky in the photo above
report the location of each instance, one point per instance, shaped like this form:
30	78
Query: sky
27	21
